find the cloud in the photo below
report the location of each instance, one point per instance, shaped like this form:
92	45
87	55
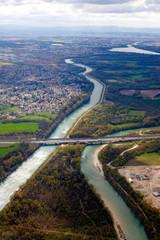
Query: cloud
98	2
81	12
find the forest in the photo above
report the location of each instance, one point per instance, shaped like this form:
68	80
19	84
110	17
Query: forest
105	119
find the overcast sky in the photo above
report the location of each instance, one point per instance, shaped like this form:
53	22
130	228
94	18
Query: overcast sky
129	13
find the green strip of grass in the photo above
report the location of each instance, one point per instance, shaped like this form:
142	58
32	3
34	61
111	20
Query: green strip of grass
5	149
18	127
154	86
46	114
146	159
136	113
4	109
35	118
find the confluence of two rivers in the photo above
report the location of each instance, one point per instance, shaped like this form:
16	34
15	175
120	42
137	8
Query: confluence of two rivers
130	224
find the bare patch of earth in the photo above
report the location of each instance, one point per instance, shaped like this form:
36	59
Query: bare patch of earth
128	92
152	93
146	180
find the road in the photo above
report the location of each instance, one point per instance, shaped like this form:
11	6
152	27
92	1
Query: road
89	140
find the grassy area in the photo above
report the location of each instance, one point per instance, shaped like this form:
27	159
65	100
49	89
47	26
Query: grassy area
136	113
4	149
136	77
46	114
34	118
40	116
139	70
146	159
154	86
4	109
123	125
18	127
5	63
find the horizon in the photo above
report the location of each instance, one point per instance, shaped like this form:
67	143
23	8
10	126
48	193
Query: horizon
72	13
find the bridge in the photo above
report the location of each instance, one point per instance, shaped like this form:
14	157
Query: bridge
88	140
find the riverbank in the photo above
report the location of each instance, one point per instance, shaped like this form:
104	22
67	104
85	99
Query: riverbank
117	223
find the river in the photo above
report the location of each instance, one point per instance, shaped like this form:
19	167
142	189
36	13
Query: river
131	49
129	222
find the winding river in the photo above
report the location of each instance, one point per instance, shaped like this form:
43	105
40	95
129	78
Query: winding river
131	226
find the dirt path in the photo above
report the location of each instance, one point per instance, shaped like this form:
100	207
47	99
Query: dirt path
135	146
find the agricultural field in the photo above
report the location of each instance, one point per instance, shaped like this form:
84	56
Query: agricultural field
146	159
5	148
4	109
18	127
5	63
136	113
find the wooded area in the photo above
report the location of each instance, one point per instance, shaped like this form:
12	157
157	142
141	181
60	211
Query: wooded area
57	204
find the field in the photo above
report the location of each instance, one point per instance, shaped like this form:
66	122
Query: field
136	113
46	114
4	109
34	118
18	127
40	116
4	149
150	93
4	63
146	159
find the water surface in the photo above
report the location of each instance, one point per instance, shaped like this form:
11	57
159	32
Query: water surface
131	49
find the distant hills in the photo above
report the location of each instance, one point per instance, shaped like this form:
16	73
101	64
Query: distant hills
15	30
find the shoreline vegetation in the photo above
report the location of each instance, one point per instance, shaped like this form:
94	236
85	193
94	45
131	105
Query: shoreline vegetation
105	119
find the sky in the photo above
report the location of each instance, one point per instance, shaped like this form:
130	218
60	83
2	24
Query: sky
51	13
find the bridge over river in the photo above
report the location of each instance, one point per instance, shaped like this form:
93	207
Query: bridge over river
87	140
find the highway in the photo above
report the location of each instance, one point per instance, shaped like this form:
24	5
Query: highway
88	140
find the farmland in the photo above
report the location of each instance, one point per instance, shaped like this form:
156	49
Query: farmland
18	127
5	148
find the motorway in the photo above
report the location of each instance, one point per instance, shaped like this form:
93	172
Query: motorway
89	140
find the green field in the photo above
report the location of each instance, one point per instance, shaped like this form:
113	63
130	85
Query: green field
138	70
136	113
4	149
18	127
4	109
46	114
34	118
146	159
40	116
136	77
154	86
